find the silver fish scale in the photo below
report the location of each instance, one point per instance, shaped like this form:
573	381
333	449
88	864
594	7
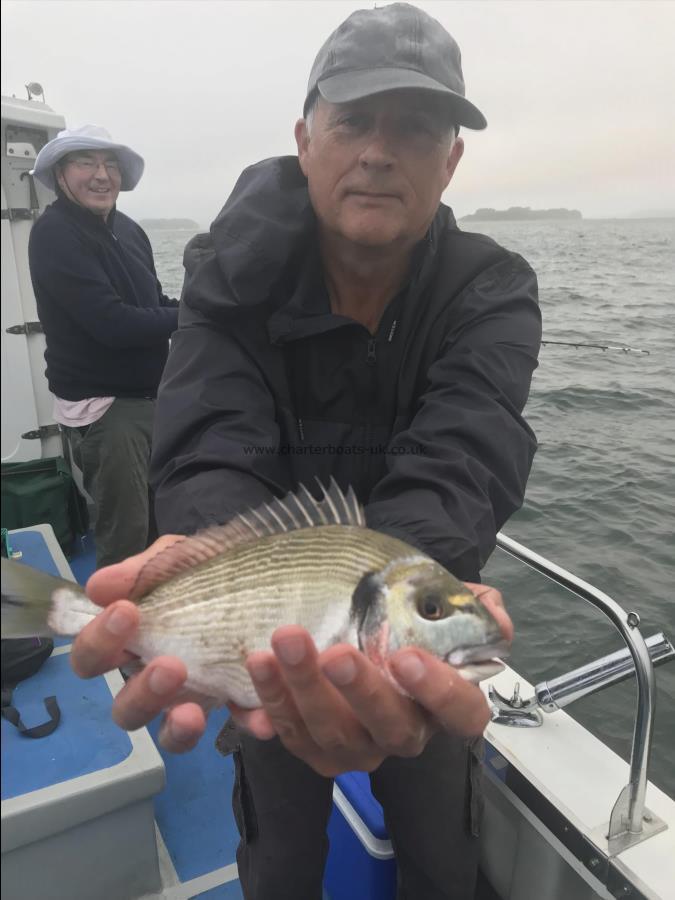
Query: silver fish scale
214	615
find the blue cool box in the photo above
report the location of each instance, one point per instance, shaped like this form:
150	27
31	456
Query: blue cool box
361	862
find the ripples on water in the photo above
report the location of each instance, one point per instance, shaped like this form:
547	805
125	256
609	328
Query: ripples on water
601	497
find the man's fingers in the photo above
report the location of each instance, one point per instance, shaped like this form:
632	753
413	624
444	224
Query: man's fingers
397	725
182	727
337	732
255	721
100	645
312	719
280	711
492	599
458	706
113	582
275	698
145	695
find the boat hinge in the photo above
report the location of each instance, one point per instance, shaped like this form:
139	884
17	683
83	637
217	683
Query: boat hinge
42	433
14	214
26	328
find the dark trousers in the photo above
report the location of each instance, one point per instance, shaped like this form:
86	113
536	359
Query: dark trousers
431	806
113	455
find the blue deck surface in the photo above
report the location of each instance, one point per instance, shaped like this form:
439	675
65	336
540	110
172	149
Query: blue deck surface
194	812
34	551
83	561
86	740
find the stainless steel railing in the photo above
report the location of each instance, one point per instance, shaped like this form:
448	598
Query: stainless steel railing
627	820
556	693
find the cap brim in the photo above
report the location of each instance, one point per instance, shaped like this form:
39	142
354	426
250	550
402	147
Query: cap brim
347	86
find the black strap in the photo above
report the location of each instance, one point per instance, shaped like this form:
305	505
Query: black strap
38	731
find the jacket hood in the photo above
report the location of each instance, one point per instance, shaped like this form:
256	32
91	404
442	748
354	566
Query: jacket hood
256	238
258	241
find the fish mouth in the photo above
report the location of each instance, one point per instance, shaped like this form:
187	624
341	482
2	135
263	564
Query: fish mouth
479	671
484	653
475	664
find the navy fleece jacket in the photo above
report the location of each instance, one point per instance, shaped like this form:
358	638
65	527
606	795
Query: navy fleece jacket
106	320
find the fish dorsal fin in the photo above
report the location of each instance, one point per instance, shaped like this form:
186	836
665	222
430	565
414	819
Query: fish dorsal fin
293	512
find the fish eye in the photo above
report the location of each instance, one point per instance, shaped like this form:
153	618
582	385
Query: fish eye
431	607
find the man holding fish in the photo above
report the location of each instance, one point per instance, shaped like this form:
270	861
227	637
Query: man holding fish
336	324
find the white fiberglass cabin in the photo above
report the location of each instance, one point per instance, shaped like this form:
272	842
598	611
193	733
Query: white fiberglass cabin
91	813
28	429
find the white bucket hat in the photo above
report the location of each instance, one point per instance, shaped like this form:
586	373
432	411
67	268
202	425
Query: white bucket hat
88	137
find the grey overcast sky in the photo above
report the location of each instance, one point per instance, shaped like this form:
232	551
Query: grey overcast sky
579	95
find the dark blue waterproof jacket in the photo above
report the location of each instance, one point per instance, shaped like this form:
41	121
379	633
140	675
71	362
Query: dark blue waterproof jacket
265	388
106	320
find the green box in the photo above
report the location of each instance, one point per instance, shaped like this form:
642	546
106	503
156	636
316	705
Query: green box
43	491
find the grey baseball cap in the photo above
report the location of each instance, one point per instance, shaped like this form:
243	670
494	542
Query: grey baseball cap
387	49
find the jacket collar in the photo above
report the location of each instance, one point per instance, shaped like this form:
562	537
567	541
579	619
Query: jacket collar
307	311
84	216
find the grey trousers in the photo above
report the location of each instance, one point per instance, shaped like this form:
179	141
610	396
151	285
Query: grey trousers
432	806
113	455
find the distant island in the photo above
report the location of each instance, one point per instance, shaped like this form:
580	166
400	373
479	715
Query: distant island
520	213
158	224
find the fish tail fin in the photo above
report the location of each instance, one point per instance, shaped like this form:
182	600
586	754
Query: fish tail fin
36	604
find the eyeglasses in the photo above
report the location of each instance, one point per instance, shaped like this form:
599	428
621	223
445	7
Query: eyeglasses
86	164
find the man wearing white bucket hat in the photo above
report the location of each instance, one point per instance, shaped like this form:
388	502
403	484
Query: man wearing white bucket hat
107	325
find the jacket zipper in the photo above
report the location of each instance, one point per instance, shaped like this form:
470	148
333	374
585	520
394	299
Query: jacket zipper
371	361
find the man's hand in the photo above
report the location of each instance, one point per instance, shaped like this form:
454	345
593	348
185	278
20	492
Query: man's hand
100	647
338	712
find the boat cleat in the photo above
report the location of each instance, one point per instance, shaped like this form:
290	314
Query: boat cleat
514	711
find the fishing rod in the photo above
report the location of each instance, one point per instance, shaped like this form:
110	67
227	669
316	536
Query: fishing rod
577	344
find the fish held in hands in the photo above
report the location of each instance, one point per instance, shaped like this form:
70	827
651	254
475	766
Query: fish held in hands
216	596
